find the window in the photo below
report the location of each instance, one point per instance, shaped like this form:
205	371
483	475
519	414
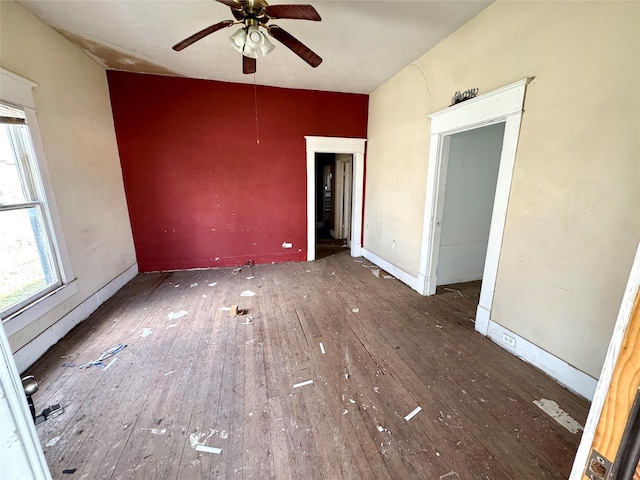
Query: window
35	271
28	267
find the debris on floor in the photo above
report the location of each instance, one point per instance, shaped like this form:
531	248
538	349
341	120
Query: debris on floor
450	476
193	285
248	321
233	311
453	290
376	272
145	332
322	348
213	284
109	364
204	448
200	446
70	471
552	409
52	442
109	353
176	315
236	270
49	412
248	293
413	413
251	277
302	384
355	310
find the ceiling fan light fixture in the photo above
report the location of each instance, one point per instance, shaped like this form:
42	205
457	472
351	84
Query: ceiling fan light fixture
251	42
238	39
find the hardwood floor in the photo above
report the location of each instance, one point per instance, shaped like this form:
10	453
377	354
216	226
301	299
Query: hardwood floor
374	349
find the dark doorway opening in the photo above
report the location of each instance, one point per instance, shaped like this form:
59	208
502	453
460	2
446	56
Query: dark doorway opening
327	242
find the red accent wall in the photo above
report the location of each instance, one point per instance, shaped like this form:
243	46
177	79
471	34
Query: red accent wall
201	191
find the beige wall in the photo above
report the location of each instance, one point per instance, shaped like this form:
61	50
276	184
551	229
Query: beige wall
74	116
573	220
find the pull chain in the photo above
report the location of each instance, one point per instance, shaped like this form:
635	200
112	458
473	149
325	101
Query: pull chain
255	96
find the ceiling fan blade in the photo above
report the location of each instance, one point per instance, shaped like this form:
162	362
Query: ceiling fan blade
231	3
201	34
248	65
301	12
295	45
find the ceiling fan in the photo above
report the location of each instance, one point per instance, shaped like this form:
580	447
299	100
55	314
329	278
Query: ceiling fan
250	40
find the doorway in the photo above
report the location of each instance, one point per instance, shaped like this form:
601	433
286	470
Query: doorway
333	202
345	216
471	172
501	106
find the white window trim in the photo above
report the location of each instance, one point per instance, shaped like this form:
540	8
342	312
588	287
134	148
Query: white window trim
18	91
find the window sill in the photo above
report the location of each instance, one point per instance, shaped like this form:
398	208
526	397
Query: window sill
37	309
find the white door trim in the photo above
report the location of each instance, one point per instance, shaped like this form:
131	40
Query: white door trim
27	458
502	105
354	146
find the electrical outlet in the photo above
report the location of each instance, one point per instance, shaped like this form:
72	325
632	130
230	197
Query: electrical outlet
509	340
287	245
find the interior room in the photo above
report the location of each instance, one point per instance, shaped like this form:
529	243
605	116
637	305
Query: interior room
355	240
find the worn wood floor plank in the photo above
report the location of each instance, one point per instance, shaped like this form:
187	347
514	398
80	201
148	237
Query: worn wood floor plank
206	378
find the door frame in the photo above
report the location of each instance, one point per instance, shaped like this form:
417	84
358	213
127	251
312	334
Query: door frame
502	105
28	456
355	147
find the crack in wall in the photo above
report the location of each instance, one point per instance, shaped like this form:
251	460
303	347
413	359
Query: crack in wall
426	82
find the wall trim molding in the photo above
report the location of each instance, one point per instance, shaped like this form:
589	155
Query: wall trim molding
400	274
38	308
566	375
32	351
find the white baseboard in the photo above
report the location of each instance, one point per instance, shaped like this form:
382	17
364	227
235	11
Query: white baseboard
401	275
482	320
32	351
566	375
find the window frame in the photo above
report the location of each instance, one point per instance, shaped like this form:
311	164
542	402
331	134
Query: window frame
18	92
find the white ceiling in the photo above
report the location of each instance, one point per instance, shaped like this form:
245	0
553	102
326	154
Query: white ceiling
362	43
